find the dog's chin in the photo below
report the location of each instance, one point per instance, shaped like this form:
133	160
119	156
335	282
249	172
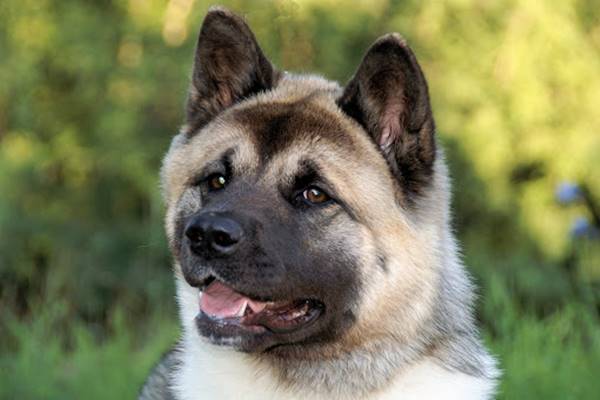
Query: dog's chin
227	317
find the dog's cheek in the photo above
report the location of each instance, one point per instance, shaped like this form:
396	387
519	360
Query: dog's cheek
339	268
363	259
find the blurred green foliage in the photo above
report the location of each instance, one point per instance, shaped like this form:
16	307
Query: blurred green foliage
91	93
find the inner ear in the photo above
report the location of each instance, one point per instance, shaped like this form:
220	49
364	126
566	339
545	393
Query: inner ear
229	66
388	96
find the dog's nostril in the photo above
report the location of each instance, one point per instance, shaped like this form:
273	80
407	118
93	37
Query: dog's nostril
225	233
194	234
223	239
215	233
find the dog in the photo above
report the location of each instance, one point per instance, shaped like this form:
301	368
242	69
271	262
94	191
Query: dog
310	229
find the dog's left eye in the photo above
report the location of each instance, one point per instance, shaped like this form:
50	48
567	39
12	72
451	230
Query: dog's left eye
315	195
216	182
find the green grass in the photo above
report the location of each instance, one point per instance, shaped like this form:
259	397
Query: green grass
557	357
554	358
41	366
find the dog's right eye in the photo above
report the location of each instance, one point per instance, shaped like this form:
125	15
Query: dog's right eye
315	195
216	182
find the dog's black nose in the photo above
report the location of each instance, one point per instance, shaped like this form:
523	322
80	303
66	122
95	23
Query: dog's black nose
215	233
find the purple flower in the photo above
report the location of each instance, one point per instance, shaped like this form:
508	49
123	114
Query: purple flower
567	192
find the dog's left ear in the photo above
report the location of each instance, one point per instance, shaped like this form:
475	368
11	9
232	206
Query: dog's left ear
228	66
388	96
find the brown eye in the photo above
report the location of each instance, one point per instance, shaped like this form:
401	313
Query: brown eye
216	182
315	195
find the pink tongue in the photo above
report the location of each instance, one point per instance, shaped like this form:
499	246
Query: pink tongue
219	300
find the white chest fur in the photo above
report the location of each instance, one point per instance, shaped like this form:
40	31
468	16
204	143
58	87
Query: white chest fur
210	372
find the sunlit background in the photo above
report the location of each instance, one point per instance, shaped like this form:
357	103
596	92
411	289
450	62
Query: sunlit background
91	93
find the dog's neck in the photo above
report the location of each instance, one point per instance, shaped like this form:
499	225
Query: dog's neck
372	366
208	371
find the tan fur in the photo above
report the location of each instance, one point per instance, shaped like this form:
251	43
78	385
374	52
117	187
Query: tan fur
361	176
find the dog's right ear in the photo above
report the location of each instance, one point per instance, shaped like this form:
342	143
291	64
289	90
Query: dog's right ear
228	66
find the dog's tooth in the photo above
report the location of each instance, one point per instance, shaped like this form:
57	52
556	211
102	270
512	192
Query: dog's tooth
242	310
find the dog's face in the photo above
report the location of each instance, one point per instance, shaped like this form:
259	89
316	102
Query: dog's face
292	202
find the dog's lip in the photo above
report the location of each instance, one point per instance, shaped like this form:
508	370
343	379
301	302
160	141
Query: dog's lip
282	316
211	278
262	322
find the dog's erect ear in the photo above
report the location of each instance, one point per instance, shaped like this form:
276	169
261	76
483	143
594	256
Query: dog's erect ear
388	96
228	66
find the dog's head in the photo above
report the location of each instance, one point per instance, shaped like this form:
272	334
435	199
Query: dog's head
300	213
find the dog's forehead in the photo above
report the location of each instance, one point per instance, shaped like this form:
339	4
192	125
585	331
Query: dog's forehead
274	127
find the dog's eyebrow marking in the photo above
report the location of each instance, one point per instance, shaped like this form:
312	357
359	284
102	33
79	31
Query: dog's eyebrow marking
219	165
308	172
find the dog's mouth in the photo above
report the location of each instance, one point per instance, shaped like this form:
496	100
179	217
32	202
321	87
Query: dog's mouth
231	311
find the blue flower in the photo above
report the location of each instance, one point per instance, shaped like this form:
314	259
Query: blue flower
567	192
581	227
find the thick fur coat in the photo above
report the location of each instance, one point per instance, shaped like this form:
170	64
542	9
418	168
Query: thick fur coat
341	198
